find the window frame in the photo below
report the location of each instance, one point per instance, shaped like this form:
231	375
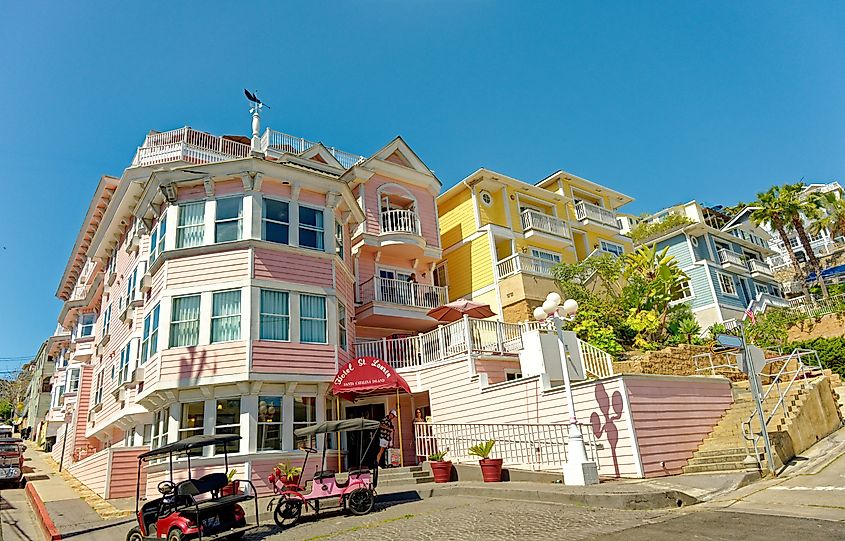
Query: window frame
338	239
157	238
239	316
262	314
123	368
174	323
556	258
83	325
303	318
149	337
233	447
180	227
160	428
265	219
719	276
686	286
301	424
342	336
70	380
239	219
322	230
181	429
98	388
445	271
603	244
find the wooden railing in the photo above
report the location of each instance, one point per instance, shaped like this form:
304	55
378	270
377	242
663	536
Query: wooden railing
759	266
399	221
531	219
727	256
403	292
283	142
517	263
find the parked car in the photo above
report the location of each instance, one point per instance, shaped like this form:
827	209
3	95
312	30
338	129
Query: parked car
11	461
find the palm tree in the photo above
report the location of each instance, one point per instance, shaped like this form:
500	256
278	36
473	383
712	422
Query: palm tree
800	208
771	209
833	217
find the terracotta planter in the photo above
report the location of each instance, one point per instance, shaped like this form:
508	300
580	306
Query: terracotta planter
442	470
491	469
292	481
231	488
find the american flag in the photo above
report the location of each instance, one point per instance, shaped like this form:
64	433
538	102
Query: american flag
750	315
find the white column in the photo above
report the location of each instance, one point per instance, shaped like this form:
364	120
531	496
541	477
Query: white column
293	217
257	214
210	215
174	412
172	213
206	298
248	205
294	317
246	314
164	316
209	420
249	423
287	422
328	230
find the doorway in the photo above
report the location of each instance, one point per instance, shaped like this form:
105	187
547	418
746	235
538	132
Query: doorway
357	442
582	249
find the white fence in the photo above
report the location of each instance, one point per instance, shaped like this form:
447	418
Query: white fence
531	219
400	221
403	292
529	446
525	263
819	307
588	211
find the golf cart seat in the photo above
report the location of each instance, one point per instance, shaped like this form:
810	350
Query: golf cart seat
211	484
324	474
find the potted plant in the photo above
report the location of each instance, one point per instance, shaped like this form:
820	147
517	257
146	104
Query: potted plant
233	487
491	468
442	469
287	475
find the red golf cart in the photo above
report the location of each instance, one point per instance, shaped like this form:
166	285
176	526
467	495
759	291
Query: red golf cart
194	508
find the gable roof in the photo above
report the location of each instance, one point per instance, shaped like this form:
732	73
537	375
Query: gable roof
320	154
406	152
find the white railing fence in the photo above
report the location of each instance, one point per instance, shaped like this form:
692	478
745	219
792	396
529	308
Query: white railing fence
283	142
403	292
529	446
759	266
531	219
597	362
400	221
589	211
525	263
727	256
819	307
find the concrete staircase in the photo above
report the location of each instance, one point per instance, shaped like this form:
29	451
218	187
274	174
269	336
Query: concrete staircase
409	475
725	449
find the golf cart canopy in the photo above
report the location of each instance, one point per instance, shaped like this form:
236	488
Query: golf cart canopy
187	444
344	425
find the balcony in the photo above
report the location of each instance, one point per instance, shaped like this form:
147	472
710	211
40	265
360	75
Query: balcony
587	214
403	293
732	261
522	263
533	221
400	221
759	269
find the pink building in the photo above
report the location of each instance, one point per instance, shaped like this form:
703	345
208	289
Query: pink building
217	288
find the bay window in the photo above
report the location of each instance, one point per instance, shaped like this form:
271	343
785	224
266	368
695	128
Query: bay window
274	315
226	316
269	423
312	319
276	221
149	341
185	321
228	222
311	228
157	239
123	370
192	419
338	239
191	225
86	324
341	326
228	421
73	380
160	427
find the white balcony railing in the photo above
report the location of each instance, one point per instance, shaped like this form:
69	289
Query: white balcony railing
530	446
400	221
288	143
727	257
525	263
588	211
531	219
403	292
759	267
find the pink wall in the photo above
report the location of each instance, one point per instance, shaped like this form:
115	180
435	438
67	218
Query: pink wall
290	267
208	269
292	358
186	365
672	416
124	471
495	369
93	471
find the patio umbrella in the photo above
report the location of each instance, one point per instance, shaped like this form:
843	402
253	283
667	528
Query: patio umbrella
455	310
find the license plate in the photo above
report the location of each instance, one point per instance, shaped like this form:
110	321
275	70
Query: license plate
211	522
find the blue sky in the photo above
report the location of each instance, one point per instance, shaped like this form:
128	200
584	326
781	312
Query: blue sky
664	101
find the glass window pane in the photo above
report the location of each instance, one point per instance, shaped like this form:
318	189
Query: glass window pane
189	231
227	231
184	328
276	232
274	312
312	310
229	208
226	316
192	416
309	238
278	211
304	409
312	217
269	423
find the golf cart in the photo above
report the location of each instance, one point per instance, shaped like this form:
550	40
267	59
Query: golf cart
11	460
356	493
194	508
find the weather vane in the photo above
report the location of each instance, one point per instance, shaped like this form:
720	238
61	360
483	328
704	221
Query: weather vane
255	109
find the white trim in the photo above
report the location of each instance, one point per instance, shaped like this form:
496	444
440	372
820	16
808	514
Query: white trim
706	307
489	195
713	289
475	209
733	284
635	448
507	205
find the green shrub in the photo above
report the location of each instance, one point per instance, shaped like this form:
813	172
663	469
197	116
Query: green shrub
831	351
648	230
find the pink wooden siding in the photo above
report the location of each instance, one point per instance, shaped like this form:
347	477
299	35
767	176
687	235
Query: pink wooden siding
290	267
93	472
186	365
208	269
275	188
495	369
81	414
312	199
228	187
290	358
151	370
192	193
124	471
426	208
672	416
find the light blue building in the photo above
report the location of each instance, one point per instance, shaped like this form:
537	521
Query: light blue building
725	260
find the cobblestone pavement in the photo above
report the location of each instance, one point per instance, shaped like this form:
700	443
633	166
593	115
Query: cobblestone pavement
463	518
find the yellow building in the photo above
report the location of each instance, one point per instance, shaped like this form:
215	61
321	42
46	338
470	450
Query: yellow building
501	236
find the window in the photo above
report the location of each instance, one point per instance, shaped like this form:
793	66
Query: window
149	342
338	239
114	368
341	326
228	220
160	428
157	239
226	316
112	263
193	415
185	321
611	248
147	435
106	320
304	414
191	225
274	315
311	228
129	292
269	423
486	198
98	389
123	370
546	256
441	278
276	221
726	283
73	380
511	375
228	422
682	292
312	315
86	324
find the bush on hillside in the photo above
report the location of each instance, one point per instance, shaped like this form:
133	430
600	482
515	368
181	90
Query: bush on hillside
644	231
831	351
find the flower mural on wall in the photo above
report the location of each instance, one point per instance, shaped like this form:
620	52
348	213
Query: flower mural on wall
605	424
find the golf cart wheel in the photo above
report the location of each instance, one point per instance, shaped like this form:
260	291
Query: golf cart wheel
175	535
287	512
360	501
134	534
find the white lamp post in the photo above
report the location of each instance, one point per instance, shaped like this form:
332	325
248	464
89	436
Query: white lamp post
578	469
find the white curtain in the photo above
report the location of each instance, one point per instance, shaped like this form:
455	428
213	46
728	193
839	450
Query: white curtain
226	316
189	232
312	312
275	315
184	331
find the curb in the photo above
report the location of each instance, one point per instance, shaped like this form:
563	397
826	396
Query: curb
51	533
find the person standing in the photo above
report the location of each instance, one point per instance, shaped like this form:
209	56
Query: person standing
385	434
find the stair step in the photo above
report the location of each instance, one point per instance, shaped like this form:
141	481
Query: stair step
390	475
721	466
409	481
719	459
719	452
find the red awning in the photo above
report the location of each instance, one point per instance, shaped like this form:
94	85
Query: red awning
367	376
